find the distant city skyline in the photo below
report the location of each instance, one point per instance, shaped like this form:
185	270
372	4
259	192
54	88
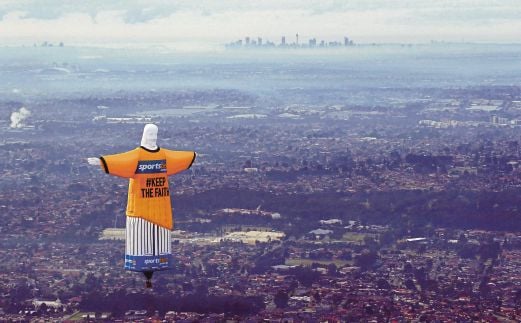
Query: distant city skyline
215	23
298	42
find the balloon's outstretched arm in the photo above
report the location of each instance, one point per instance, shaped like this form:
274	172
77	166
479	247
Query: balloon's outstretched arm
94	161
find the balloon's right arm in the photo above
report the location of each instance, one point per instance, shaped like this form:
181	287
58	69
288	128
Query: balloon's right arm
122	165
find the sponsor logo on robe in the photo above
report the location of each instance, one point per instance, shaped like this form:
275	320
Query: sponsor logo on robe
140	263
151	166
156	261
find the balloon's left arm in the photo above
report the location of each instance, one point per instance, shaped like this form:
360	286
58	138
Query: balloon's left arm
178	161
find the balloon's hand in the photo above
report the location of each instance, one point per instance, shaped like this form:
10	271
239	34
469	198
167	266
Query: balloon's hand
94	161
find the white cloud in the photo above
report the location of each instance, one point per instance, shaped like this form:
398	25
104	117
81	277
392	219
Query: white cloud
226	20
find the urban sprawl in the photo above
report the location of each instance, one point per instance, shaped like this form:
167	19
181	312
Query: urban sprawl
406	210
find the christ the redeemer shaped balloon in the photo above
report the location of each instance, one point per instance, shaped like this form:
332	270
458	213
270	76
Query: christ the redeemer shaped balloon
149	211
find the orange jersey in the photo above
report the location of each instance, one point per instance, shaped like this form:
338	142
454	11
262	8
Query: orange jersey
148	170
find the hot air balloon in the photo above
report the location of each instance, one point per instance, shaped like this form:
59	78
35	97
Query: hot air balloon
149	219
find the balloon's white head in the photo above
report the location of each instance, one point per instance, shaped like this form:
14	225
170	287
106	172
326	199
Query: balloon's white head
149	139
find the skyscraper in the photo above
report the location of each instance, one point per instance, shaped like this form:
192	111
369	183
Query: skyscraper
283	41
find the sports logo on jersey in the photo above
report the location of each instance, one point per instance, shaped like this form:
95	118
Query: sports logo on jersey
151	166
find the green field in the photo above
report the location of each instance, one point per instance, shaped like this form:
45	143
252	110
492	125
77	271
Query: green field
358	237
233	228
309	262
78	316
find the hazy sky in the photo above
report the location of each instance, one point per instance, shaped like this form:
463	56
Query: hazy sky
221	21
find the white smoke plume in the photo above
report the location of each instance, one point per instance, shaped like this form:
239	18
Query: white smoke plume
18	117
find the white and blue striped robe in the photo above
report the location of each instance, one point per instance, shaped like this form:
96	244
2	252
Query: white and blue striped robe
144	238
